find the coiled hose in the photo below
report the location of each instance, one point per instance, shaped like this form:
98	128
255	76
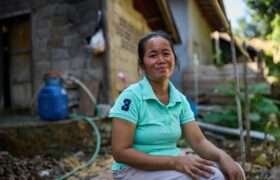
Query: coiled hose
91	122
88	120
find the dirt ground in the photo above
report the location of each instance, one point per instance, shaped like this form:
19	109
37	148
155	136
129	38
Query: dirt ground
263	164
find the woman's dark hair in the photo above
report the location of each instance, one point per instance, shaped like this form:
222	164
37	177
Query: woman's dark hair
142	43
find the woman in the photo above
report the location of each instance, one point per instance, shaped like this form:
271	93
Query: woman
147	120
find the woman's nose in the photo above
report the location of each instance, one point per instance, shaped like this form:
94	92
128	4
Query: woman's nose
162	59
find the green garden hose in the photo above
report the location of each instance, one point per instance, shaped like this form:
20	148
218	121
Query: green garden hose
91	122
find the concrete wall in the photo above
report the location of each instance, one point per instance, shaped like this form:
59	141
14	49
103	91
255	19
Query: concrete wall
125	27
59	30
195	38
200	39
179	10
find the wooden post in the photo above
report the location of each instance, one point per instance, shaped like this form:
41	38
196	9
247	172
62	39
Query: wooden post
237	98
217	47
246	107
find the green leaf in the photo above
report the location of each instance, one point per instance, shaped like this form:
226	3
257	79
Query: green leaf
255	117
265	106
260	88
226	89
276	133
226	118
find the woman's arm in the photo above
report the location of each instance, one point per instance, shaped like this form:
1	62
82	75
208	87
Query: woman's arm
207	150
200	144
122	140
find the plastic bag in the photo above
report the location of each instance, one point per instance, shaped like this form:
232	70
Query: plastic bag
97	42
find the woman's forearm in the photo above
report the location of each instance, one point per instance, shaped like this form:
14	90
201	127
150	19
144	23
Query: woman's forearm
144	161
207	150
200	144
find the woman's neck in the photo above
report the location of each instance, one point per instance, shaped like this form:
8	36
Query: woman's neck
161	90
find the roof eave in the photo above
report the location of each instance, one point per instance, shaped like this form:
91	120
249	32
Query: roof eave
214	14
168	19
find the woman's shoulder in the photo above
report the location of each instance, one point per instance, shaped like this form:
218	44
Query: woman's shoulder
133	89
178	93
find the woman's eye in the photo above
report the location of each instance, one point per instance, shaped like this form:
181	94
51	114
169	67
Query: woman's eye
152	55
166	54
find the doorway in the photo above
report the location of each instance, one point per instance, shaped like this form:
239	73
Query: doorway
15	63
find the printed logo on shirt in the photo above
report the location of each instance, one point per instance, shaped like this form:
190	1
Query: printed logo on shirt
126	104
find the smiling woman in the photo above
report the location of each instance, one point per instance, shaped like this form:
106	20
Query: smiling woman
147	120
158	63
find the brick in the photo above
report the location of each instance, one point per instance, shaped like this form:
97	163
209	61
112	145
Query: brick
61	66
58	54
21	95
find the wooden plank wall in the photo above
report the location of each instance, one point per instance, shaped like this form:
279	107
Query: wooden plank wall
210	76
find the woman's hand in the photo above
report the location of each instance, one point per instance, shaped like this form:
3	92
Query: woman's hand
193	165
231	168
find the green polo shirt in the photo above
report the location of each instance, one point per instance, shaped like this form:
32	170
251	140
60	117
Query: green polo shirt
157	125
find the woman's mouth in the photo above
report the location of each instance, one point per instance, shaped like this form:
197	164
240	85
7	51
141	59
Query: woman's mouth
162	69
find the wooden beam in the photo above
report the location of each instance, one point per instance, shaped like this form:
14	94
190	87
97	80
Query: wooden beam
221	14
168	19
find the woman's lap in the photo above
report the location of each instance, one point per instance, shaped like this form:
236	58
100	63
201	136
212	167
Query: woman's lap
137	174
131	173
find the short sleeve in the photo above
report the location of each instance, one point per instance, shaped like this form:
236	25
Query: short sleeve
126	107
186	112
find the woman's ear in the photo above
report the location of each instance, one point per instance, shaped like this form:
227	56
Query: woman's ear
140	71
140	68
140	64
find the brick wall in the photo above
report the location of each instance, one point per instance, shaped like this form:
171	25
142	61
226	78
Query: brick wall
59	39
125	27
59	30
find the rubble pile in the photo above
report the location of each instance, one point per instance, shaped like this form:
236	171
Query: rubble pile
39	167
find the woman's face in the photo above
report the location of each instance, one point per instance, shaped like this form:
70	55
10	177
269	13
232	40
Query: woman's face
159	60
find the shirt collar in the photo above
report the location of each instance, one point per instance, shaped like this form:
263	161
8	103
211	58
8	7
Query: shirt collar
148	92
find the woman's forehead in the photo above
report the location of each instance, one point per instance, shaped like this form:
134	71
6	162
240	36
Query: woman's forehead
157	42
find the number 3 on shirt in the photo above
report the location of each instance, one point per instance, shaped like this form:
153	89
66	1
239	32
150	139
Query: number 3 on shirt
126	104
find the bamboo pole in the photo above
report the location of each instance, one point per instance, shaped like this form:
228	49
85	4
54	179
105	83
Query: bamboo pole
246	108
237	98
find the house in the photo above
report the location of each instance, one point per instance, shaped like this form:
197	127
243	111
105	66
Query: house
38	36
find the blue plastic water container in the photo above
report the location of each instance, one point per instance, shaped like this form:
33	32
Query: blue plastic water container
52	100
